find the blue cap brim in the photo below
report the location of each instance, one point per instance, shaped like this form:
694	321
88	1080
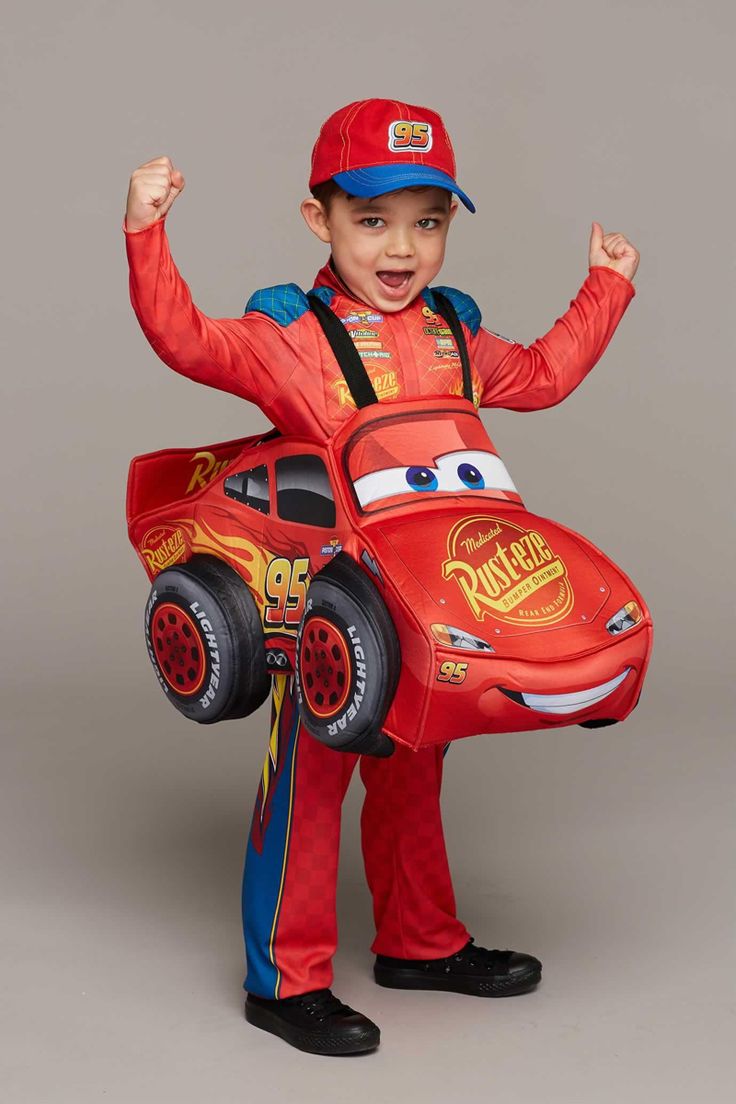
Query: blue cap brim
379	179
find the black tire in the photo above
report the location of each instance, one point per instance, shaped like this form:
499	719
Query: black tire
346	619
205	641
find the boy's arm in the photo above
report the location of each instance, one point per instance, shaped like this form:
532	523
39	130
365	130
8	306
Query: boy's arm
251	356
544	373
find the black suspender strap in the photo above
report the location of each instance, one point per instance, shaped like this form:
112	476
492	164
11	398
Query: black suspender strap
341	343
449	313
351	365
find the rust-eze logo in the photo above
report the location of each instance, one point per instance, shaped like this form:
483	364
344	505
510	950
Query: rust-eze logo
506	572
163	546
385	384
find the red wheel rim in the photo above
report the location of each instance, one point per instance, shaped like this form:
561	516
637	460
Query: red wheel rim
178	648
325	667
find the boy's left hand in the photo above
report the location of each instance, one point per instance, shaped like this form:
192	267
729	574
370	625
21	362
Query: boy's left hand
613	250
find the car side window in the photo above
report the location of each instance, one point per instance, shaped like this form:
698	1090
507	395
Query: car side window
250	487
303	491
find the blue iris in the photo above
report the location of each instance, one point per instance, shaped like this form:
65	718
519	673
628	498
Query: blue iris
421	479
471	477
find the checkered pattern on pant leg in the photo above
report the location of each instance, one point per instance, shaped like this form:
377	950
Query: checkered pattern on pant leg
405	856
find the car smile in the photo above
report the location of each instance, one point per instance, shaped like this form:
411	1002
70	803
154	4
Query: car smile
567	703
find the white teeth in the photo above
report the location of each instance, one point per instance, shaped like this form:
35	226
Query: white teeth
570	703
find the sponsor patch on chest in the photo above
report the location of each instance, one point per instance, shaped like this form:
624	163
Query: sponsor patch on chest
362	318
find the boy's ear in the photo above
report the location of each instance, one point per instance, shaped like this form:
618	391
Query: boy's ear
316	218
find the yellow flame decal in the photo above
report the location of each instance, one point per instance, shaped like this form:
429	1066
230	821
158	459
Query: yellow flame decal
252	560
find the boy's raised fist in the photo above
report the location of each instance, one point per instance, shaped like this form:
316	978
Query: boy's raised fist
153	188
612	250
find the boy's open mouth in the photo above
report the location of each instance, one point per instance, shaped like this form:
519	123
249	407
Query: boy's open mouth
395	280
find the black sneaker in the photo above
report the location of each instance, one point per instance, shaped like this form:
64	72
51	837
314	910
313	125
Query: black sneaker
472	969
316	1022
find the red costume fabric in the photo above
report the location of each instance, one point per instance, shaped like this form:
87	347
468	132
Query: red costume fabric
289	918
287	368
276	356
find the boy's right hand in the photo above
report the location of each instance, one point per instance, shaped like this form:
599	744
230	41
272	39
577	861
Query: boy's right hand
153	188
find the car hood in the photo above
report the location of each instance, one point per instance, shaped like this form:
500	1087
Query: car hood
499	572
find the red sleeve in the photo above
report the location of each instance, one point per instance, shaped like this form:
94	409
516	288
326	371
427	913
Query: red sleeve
544	373
251	356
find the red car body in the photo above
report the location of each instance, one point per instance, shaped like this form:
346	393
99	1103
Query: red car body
506	621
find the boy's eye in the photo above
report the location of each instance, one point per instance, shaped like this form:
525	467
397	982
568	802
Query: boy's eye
370	222
425	220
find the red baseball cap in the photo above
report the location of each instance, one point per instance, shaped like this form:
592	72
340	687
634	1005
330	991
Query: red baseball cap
374	146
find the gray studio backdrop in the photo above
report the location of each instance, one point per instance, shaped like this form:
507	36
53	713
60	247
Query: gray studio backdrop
605	852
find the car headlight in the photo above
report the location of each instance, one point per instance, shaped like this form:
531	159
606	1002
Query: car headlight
628	616
456	638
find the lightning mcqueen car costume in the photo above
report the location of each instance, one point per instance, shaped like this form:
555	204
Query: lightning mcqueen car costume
392	566
311	527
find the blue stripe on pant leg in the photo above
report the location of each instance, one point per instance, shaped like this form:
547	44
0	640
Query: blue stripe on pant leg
267	851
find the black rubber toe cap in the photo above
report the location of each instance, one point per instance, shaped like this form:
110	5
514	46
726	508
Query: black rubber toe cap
522	964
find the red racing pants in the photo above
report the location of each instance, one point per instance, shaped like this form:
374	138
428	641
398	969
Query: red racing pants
290	878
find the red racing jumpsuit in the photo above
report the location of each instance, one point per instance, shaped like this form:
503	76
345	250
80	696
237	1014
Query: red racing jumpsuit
277	356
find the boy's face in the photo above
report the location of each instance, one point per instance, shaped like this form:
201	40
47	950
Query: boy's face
388	248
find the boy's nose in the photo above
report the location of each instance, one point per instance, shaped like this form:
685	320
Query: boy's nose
400	245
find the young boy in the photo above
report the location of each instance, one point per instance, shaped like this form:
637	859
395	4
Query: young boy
382	184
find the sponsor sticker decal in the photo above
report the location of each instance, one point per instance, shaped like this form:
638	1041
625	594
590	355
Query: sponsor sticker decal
332	548
163	546
506	572
362	333
362	318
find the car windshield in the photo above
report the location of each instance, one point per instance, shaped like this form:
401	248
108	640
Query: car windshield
394	459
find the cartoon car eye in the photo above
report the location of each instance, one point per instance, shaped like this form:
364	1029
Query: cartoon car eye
388	482
473	469
470	475
464	470
421	479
